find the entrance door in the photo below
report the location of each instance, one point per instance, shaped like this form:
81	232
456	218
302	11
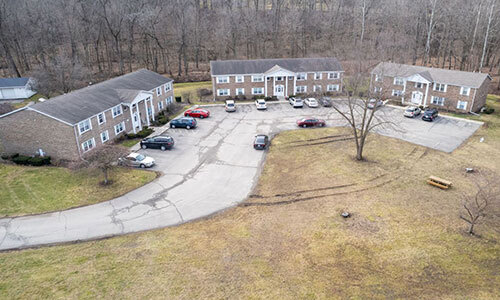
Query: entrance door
136	120
279	90
416	98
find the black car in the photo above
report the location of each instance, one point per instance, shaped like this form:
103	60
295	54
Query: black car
430	115
326	101
261	142
162	142
185	122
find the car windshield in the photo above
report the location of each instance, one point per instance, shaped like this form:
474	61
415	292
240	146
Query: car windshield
140	157
261	102
260	139
411	109
230	104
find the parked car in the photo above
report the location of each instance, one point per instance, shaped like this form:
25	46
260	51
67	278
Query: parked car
185	122
260	104
296	102
162	142
261	142
230	106
197	113
412	111
137	160
430	114
311	102
374	103
326	101
310	122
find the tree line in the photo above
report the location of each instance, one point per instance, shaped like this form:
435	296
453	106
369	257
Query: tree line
67	43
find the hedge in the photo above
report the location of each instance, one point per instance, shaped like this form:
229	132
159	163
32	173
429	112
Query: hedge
28	160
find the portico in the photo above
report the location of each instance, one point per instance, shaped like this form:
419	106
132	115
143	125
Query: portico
277	81
141	109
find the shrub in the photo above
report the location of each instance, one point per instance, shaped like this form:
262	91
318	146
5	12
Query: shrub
131	136
39	161
489	110
204	92
21	160
144	132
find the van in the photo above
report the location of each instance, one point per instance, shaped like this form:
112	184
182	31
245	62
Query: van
230	106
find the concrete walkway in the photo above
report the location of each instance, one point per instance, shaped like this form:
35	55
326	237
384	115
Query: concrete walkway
211	168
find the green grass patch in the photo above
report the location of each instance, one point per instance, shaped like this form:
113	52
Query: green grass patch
191	88
129	143
31	190
35	98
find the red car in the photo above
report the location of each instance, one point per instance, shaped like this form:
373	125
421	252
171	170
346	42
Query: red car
311	122
197	113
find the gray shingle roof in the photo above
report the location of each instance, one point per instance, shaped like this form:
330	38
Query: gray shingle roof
259	66
89	101
451	77
12	82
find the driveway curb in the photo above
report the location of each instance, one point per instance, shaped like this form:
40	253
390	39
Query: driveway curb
444	116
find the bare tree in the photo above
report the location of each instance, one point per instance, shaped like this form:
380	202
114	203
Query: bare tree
487	33
475	206
104	158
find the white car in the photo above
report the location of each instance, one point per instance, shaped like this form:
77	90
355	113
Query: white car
230	106
412	111
260	104
296	102
137	160
311	102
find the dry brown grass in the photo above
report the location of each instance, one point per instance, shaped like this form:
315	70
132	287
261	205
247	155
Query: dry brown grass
404	240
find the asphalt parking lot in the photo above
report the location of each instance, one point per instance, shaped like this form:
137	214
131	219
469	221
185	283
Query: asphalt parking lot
210	168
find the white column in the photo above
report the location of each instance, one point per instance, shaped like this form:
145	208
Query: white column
286	86
426	93
152	108
294	84
146	108
132	117
265	86
274	84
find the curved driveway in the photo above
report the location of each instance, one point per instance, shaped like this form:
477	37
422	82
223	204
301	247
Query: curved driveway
210	169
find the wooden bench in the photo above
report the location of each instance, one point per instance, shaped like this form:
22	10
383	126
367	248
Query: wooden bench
440	183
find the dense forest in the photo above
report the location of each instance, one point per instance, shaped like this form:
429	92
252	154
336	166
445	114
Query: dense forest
67	43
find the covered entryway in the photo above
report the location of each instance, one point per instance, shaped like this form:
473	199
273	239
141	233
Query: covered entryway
416	97
279	90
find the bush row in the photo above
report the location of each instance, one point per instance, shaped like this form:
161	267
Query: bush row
28	160
146	131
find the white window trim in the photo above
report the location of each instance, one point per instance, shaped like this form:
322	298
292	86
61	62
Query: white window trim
103	117
92	141
315	88
378	77
160	105
320	76
458	105
333	88
242	91
436	97
333	75
440	84
168	87
158	91
462	90
421	85
300	87
239	77
397	79
397	93
107	136
113	111
300	79
260	88
258	76
90	126
228	92
219	79
123	128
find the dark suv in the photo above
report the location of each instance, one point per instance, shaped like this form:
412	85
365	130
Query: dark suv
430	114
326	101
261	142
186	122
162	142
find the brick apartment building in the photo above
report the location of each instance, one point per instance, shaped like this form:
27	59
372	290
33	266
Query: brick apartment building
260	78
67	126
452	90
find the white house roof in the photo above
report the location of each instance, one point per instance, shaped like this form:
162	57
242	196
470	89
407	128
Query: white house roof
84	103
13	82
260	66
451	77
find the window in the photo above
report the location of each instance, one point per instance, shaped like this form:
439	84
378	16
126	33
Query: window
158	91
257	78
301	76
240	79
317	76
397	93
84	126
168	87
462	105
223	92
418	85
222	79
279	78
290	77
104	136
465	91
399	81
169	100
240	91
437	100
378	77
257	91
87	145
119	128
317	88
150	111
377	89
117	110
101	118
301	89
332	87
440	87
333	75
160	105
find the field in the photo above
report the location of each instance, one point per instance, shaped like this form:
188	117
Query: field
31	190
288	240
191	88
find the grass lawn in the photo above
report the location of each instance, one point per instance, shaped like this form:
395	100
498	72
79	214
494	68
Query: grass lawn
191	88
33	98
30	190
288	241
129	143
